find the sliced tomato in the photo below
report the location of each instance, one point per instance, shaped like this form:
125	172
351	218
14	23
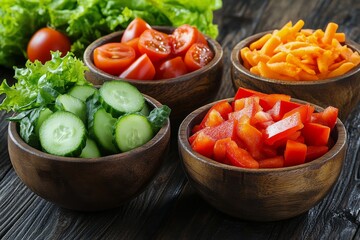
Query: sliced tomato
198	56
155	44
273	162
141	69
135	28
316	134
295	153
183	37
200	37
314	152
113	58
239	157
283	128
134	44
171	68
203	144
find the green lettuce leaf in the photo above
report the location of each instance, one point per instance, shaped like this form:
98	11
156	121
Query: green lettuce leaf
39	84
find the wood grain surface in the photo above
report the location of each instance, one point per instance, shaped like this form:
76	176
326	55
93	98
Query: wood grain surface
169	208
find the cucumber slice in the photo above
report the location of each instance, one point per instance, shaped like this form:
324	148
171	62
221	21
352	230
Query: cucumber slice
44	114
90	150
120	97
132	131
82	92
102	129
145	110
63	134
71	104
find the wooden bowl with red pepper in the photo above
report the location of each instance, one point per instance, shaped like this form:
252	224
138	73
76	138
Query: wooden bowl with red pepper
181	93
241	175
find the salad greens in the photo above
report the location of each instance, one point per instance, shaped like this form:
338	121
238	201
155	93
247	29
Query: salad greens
39	84
85	20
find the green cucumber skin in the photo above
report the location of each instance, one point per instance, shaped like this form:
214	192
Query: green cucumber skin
90	150
118	98
82	92
72	104
101	128
44	114
132	131
60	122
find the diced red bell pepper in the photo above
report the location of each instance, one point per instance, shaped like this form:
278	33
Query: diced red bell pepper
314	152
224	130
268	101
295	153
261	120
251	107
251	137
203	144
316	134
220	150
282	107
328	117
273	162
283	128
240	157
214	119
245	92
223	107
305	111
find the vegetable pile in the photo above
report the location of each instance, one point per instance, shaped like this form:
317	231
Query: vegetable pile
145	53
293	53
259	130
85	21
60	113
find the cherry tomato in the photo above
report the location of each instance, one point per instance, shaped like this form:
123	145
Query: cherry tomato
172	68
155	44
198	56
46	40
113	58
134	44
182	39
134	29
141	69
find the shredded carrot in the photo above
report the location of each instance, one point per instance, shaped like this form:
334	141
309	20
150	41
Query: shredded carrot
293	53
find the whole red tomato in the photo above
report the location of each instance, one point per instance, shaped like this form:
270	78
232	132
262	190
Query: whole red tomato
46	40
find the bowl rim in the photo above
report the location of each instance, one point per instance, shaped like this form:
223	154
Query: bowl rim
14	136
184	130
213	44
236	63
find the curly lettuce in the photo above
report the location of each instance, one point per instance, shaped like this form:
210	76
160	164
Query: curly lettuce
85	20
39	84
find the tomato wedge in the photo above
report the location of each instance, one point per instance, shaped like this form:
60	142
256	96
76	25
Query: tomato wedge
198	56
134	29
155	44
141	69
183	37
172	68
113	58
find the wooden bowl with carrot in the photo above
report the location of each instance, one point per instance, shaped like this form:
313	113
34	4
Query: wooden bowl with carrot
262	165
318	66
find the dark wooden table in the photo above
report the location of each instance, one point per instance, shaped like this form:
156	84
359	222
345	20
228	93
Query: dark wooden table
169	208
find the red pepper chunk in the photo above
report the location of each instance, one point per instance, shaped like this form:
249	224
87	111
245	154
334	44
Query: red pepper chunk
314	152
223	107
240	157
283	128
316	134
273	162
203	144
295	153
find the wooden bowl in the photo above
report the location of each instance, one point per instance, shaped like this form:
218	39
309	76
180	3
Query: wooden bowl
88	184
341	92
182	94
261	194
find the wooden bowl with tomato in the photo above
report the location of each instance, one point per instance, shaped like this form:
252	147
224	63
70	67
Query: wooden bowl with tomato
89	184
340	91
241	175
181	93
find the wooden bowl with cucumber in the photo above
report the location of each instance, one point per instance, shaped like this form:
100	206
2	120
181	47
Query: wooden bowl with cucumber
113	168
